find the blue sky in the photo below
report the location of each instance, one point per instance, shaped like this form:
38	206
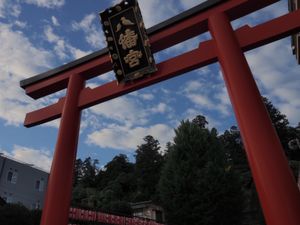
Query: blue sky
38	35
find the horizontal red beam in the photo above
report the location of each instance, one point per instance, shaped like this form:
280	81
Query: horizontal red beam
201	56
59	82
249	38
166	38
45	114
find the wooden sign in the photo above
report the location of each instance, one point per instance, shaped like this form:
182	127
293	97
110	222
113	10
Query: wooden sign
127	41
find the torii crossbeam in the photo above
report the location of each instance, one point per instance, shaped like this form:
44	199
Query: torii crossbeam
280	197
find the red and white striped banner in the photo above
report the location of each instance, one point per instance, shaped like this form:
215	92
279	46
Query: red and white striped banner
87	215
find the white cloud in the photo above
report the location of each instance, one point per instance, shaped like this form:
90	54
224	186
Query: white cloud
160	108
275	69
20	24
125	110
9	8
47	3
275	10
85	23
208	95
93	34
130	111
190	3
18	55
201	100
51	37
39	158
61	47
153	12
126	139
223	97
15	10
191	113
147	96
143	96
55	21
19	59
77	53
193	86
156	11
2	5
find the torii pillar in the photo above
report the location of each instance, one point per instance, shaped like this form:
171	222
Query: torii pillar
280	198
276	187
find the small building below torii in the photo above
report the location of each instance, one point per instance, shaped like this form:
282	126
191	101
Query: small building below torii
148	210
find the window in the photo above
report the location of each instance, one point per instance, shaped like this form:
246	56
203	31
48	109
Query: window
139	212
9	176
39	185
12	177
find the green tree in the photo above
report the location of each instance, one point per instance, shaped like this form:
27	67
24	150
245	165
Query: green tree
118	166
109	189
36	215
78	172
85	197
85	172
236	158
2	202
235	153
89	172
289	136
118	185
200	121
147	169
84	184
13	214
279	122
197	185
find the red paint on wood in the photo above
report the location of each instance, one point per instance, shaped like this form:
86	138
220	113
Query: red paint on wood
248	38
59	189
168	37
45	114
276	187
93	216
280	197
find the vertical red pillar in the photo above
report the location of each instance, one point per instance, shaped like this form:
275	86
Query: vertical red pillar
58	196
276	187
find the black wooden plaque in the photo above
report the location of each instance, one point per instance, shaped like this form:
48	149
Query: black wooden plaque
127	41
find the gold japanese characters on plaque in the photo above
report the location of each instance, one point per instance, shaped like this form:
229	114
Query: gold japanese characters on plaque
127	41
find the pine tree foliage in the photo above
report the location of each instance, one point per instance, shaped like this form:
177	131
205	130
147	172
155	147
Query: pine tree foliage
196	185
287	134
16	214
280	123
202	178
147	169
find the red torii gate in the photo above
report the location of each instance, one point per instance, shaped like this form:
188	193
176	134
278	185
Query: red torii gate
277	190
